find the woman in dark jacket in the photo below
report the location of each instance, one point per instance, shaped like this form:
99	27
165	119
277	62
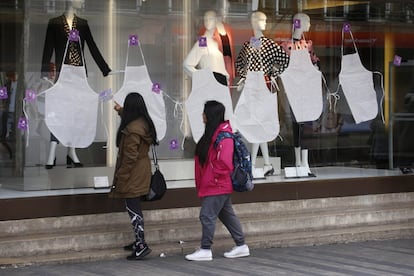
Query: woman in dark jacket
132	175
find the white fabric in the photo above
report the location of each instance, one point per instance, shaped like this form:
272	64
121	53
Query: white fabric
206	57
71	108
358	86
137	79
205	88
256	114
303	86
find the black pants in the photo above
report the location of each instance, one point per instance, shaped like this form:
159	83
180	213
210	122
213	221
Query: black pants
133	207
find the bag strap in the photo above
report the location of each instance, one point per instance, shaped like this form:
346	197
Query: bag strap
222	135
154	157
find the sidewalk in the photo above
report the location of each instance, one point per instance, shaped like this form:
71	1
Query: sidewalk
391	257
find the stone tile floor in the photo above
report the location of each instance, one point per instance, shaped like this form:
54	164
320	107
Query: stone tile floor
389	257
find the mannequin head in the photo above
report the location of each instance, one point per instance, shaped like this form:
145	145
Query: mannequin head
74	4
258	21
210	20
304	25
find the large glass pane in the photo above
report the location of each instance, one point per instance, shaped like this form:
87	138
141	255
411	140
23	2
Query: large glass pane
167	30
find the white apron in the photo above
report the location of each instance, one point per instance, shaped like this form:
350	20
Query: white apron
256	112
303	86
205	88
71	107
358	86
137	79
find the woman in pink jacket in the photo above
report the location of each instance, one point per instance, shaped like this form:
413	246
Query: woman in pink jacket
213	167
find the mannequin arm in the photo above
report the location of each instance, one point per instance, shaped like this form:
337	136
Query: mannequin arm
188	69
240	84
191	61
93	48
48	80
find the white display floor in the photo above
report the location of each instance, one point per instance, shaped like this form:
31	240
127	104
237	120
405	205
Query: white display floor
39	179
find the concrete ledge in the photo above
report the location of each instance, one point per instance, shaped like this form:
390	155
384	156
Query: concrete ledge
83	204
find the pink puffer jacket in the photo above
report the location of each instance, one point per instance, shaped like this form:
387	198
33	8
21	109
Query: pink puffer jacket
214	177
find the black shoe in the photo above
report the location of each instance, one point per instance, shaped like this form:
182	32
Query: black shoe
140	252
406	170
48	167
270	172
71	164
130	247
311	174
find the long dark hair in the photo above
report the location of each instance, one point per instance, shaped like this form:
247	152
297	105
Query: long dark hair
135	108
214	112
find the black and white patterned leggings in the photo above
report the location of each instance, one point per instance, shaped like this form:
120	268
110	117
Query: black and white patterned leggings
133	207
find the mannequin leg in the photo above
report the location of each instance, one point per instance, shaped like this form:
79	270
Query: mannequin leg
267	168
72	160
255	149
305	162
298	159
51	160
304	156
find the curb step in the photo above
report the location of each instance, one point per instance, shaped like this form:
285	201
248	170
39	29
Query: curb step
268	224
305	238
110	236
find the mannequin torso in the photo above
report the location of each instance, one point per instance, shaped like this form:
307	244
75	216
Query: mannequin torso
301	24
206	55
266	56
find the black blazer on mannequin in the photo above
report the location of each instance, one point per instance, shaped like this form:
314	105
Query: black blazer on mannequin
56	39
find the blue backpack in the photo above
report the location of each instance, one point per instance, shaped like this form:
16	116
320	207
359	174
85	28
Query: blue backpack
241	177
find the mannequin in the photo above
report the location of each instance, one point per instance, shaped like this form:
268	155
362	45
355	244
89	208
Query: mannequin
55	43
298	42
205	64
224	37
213	57
269	58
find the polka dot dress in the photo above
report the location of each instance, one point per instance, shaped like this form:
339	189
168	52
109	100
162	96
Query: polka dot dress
263	55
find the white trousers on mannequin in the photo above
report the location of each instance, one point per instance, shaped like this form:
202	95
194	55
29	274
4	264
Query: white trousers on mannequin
265	153
301	158
52	154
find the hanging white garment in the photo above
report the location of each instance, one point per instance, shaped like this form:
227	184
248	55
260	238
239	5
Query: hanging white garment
303	86
71	107
358	86
205	88
256	112
137	79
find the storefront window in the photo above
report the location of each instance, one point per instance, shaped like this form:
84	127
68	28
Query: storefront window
166	31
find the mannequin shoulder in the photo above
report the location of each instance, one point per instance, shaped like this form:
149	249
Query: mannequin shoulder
287	45
269	43
56	20
82	21
305	43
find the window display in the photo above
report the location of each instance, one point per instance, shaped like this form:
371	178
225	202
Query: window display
187	52
136	78
70	115
205	64
302	83
259	62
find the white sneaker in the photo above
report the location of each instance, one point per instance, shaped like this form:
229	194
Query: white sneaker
238	251
200	255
